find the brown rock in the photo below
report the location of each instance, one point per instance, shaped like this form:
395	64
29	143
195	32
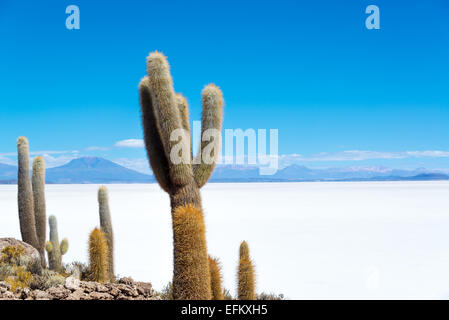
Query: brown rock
59	292
8	295
41	295
100	296
127	290
126	280
144	288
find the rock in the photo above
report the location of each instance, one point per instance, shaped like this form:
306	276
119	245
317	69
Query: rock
78	295
4	286
112	289
29	250
127	290
8	295
101	288
41	295
126	280
144	288
59	292
88	286
72	283
25	294
100	296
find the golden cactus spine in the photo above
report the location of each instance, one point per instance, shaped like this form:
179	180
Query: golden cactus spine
98	256
38	184
246	276
215	279
164	116
55	249
25	195
191	277
106	227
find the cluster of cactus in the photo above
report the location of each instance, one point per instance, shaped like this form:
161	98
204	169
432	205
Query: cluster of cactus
31	199
163	114
55	249
101	243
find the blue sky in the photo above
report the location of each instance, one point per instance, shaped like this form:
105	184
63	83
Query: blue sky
340	94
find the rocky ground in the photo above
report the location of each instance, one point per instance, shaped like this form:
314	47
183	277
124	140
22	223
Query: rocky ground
57	286
74	289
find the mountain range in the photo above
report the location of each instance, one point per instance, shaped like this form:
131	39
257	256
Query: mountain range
98	170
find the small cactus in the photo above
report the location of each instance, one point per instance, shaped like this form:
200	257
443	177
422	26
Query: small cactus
215	279
25	195
55	249
165	113
98	256
246	276
106	227
38	184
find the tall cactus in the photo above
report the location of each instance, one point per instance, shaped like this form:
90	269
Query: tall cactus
164	117
25	195
246	277
38	184
98	256
106	227
55	249
215	279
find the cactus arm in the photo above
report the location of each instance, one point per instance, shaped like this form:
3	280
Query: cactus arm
64	246
25	195
49	246
183	107
38	184
168	118
55	255
154	146
212	118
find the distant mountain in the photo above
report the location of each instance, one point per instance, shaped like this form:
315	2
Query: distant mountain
99	170
95	170
7	173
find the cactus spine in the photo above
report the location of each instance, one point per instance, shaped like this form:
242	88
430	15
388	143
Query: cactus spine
215	279
38	184
98	256
165	114
25	195
191	278
55	250
246	277
106	227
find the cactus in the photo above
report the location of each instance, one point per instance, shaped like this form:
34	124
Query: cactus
164	114
246	277
38	184
55	250
25	195
191	278
215	279
98	256
106	227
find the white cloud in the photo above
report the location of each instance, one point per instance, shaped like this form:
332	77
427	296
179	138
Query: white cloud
130	143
